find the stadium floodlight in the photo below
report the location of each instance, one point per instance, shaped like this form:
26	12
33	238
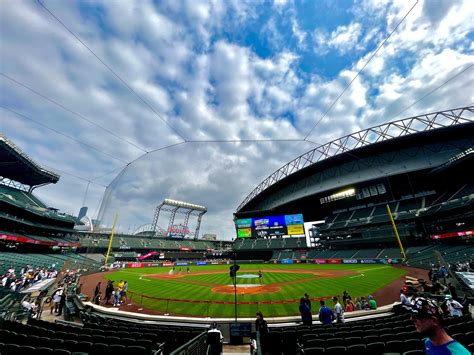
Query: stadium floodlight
183	204
338	196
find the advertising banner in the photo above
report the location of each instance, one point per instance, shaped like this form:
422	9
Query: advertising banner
185	249
19	239
243	223
369	261
292	219
152	264
334	261
350	261
135	265
168	263
319	261
466	233
268	222
274	231
201	263
181	264
289	261
244	233
147	255
296	229
389	261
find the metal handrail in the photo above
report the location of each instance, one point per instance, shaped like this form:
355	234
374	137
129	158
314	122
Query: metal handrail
193	346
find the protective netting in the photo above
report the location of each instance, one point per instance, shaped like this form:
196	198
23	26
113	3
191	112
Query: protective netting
216	175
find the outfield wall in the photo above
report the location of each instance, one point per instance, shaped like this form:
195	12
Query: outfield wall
134	265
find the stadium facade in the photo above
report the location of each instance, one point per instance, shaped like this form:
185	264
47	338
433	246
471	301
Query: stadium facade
418	166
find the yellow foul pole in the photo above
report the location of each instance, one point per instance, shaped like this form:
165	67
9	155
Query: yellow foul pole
110	240
396	231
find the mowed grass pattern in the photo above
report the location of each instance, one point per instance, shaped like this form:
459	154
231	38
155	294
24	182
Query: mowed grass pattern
364	280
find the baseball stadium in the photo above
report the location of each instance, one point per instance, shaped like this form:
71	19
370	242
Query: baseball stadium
359	220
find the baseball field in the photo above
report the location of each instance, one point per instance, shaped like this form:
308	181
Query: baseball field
207	291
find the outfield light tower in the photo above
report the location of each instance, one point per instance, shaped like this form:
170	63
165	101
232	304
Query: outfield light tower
179	207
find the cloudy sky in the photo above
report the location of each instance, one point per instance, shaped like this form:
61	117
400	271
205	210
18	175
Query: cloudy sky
87	87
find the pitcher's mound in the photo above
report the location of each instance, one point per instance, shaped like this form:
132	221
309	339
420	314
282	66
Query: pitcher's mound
246	289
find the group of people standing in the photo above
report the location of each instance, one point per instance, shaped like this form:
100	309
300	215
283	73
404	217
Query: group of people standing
327	316
118	293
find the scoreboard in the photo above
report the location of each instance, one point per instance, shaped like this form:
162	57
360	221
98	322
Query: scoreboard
270	226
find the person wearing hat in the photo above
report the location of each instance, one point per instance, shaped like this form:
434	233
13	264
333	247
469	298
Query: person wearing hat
428	320
215	330
212	341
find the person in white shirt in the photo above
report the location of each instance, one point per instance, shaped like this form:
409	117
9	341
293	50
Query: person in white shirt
215	330
454	307
338	311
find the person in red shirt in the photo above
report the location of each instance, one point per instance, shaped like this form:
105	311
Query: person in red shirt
349	306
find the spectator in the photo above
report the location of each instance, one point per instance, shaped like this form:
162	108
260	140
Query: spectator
357	304
305	312
363	303
349	306
261	326
454	307
56	299
124	292
372	303
345	297
98	298
109	289
325	314
120	289
97	290
428	321
307	300
116	295
338	311
404	299
214	340
62	302
215	330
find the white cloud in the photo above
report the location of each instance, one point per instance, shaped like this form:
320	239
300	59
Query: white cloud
177	56
343	39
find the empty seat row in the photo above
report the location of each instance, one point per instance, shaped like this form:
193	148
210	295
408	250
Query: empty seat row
358	340
375	347
82	347
81	342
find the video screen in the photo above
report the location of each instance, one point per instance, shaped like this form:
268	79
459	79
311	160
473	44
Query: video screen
270	226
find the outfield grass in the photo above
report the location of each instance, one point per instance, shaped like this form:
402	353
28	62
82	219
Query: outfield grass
198	287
